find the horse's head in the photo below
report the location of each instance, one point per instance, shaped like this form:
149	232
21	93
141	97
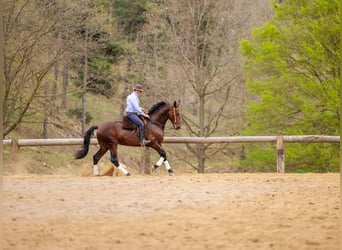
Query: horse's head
174	115
162	111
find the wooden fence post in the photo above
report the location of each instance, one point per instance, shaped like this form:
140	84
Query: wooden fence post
15	149
145	161
280	154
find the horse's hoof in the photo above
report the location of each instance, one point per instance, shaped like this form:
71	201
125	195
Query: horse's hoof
128	174
154	168
171	173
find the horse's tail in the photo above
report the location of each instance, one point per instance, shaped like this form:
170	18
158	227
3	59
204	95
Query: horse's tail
82	152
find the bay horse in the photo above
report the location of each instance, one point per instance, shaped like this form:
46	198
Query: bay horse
110	134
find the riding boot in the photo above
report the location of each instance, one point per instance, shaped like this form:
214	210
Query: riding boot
143	141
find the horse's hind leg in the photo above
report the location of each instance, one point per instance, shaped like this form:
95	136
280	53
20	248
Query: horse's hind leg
96	159
162	160
115	161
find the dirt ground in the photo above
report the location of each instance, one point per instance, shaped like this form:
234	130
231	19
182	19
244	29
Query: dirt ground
186	211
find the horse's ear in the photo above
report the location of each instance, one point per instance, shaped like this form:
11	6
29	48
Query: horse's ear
175	104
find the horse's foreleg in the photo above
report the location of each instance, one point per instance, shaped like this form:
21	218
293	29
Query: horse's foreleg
114	160
162	160
96	159
162	154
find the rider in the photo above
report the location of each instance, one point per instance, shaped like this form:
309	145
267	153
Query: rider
133	110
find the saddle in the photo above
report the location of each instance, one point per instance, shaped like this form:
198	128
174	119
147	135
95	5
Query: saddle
129	125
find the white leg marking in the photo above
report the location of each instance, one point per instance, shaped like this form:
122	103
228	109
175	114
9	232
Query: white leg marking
167	165
96	170
160	161
123	169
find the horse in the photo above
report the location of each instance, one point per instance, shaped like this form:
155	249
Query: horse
110	134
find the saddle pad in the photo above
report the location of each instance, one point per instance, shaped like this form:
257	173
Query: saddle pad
127	124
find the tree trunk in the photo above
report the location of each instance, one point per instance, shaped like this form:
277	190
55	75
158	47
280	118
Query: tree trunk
123	101
201	158
85	81
201	148
45	110
56	70
54	85
125	92
64	85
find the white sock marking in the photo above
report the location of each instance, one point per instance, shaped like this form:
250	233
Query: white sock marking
96	170
122	168
167	165
160	161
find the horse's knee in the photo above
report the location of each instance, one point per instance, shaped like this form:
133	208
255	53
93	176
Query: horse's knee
162	153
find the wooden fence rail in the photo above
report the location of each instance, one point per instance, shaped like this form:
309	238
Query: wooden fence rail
279	140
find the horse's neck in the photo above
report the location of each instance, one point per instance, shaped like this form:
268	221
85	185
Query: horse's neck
160	117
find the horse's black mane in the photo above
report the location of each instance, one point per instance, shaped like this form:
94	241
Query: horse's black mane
155	107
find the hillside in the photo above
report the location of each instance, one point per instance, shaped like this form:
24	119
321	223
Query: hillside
149	51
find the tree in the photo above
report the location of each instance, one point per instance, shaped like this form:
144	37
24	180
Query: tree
202	48
131	15
132	18
28	36
94	65
189	51
292	65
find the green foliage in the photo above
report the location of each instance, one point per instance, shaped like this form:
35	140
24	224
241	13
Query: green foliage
131	14
310	157
259	158
319	158
293	79
114	52
100	72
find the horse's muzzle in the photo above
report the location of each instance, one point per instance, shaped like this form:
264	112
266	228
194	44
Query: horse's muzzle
177	127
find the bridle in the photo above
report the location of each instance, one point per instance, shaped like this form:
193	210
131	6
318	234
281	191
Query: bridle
174	109
168	115
174	115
